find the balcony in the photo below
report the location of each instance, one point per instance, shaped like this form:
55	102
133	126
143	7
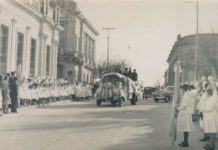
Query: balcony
35	4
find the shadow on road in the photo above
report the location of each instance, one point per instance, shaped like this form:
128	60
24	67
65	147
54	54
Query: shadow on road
75	106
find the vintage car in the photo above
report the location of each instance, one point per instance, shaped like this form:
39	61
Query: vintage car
116	88
147	93
166	94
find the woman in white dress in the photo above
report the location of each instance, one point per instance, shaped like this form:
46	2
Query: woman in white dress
210	119
200	107
193	94
1	98
184	122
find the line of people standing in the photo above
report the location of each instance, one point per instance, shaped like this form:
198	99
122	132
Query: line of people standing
202	100
39	91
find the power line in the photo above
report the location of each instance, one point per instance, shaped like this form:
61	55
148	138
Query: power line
108	41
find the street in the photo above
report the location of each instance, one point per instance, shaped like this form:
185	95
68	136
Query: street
84	126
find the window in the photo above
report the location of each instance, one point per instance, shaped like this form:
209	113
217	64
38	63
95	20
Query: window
84	77
91	78
87	78
70	73
44	7
86	46
170	88
3	49
33	57
54	14
48	55
20	44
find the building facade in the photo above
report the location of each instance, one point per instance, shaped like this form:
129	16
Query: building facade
29	37
76	59
184	51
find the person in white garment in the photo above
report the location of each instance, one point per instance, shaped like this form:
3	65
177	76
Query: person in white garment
202	102
193	94
210	119
184	120
1	98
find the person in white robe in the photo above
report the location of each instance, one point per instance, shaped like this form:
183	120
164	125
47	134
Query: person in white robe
210	119
200	106
193	95
1	98
184	120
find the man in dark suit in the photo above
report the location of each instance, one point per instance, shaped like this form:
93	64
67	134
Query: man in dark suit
130	75
135	75
13	92
125	72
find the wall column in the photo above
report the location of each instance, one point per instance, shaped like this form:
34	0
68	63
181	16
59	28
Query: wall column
26	56
53	66
80	51
12	50
56	60
42	55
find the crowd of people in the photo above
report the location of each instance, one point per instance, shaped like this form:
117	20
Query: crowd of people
199	100
16	93
129	73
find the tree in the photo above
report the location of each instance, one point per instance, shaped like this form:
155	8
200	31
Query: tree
113	66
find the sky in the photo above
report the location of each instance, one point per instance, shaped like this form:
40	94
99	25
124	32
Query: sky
146	30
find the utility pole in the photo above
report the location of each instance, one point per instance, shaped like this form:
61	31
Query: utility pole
196	44
108	42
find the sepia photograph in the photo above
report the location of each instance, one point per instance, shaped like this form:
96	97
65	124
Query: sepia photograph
109	74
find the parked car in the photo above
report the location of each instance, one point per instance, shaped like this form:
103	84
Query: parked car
166	94
147	93
116	88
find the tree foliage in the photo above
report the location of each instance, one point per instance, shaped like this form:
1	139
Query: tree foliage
113	66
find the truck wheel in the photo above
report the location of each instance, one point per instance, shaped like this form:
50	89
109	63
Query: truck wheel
156	100
120	102
113	102
167	99
134	99
98	102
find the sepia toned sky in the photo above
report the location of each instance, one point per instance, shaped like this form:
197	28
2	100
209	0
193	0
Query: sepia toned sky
146	30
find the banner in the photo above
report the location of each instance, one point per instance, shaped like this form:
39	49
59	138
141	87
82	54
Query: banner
175	103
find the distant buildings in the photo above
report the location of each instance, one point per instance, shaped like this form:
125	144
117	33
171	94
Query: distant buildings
46	38
76	59
29	37
184	50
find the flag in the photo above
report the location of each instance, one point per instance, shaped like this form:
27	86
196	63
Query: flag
175	102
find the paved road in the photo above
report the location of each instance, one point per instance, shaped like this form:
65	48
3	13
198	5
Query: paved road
83	126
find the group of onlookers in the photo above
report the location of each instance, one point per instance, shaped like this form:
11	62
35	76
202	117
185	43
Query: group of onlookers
8	93
15	93
129	73
199	100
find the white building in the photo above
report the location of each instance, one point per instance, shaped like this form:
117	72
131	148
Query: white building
29	37
76	59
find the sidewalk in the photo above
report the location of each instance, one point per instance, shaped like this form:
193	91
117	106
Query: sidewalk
36	110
